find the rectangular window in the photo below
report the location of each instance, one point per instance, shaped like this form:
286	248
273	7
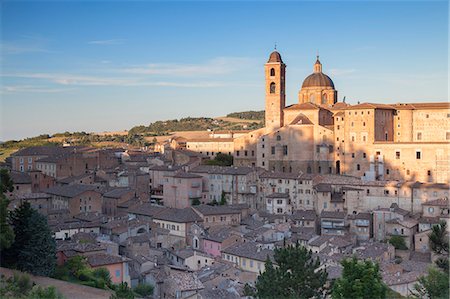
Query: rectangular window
418	155
237	153
397	155
419	136
273	150
447	136
117	273
285	150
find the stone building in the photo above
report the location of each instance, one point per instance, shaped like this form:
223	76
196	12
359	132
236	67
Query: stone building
320	135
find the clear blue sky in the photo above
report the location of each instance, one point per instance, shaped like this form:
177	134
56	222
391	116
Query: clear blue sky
110	65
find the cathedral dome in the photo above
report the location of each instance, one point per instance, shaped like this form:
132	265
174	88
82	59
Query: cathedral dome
275	57
318	79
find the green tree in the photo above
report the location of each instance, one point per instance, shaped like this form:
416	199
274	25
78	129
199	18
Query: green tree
296	275
398	242
122	291
223	199
39	292
434	286
360	279
221	160
34	249
439	238
6	232
144	290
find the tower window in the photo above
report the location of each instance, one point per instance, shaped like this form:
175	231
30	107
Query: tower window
358	167
272	72
272	87
324	99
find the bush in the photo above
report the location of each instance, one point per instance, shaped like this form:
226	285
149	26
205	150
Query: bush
398	242
144	290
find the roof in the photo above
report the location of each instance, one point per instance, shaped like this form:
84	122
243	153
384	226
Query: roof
318	80
26	196
102	259
406	222
370	106
214	210
361	215
332	214
278	195
304	215
218	233
441	202
186	175
230	170
71	179
303	106
178	215
185	281
279	175
416	106
249	250
20	177
146	209
71	190
275	57
323	187
301	119
47	150
117	192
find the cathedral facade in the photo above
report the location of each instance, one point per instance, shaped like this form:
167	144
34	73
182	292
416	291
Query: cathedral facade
320	135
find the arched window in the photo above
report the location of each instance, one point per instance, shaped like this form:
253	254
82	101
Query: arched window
324	98
272	72
308	170
278	137
272	87
312	98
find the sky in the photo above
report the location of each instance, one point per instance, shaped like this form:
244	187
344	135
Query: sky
110	65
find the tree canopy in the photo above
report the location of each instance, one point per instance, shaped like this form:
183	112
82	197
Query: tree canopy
360	279
434	286
34	249
296	275
6	232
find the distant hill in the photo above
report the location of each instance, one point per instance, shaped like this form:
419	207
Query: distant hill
250	115
246	120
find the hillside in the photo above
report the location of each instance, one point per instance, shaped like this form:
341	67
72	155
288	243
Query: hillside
139	135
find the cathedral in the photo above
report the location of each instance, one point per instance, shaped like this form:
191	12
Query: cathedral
319	135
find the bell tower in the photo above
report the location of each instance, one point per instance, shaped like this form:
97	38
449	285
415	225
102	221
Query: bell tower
275	71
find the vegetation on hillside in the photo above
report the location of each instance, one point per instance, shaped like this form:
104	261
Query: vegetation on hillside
253	115
21	287
136	134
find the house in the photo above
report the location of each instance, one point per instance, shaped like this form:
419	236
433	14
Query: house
121	229
178	222
219	237
304	218
333	223
248	256
237	185
382	215
193	259
116	265
145	211
405	228
422	241
112	198
218	215
38	201
181	284
76	198
278	203
361	225
181	189
437	208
